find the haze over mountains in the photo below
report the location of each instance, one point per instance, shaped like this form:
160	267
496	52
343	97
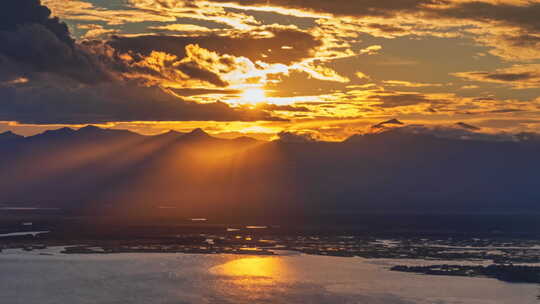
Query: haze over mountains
398	169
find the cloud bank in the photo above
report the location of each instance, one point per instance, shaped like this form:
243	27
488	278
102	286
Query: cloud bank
49	78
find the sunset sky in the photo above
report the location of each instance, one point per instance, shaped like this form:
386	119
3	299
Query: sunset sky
257	67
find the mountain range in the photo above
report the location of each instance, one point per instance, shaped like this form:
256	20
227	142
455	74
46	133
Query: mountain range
397	170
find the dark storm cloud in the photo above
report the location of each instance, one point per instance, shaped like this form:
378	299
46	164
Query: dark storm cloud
299	45
34	49
33	42
110	103
48	78
15	13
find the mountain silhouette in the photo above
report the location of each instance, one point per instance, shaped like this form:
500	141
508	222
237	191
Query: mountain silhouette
103	171
198	134
9	136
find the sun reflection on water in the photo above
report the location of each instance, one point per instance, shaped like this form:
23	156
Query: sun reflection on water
251	277
254	267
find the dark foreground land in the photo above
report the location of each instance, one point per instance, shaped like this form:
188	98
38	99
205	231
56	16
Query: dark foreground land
508	255
508	273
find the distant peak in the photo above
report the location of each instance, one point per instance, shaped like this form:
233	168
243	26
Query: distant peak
9	135
198	133
90	128
64	130
173	132
467	126
245	139
170	134
383	124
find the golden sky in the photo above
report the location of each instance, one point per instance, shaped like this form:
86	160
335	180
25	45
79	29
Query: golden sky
257	67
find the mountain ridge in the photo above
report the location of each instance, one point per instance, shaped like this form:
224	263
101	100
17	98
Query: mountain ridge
459	130
405	169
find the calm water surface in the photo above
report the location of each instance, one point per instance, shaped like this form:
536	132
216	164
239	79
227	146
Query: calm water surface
288	278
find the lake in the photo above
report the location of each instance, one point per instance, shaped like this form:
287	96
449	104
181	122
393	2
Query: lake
47	277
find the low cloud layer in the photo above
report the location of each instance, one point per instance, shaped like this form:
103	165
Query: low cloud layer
111	103
517	76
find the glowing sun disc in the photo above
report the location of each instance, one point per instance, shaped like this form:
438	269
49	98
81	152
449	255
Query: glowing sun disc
253	96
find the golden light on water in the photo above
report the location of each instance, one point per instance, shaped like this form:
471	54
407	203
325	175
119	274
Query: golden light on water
268	268
251	277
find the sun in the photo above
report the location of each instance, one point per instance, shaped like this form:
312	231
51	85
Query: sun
253	96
